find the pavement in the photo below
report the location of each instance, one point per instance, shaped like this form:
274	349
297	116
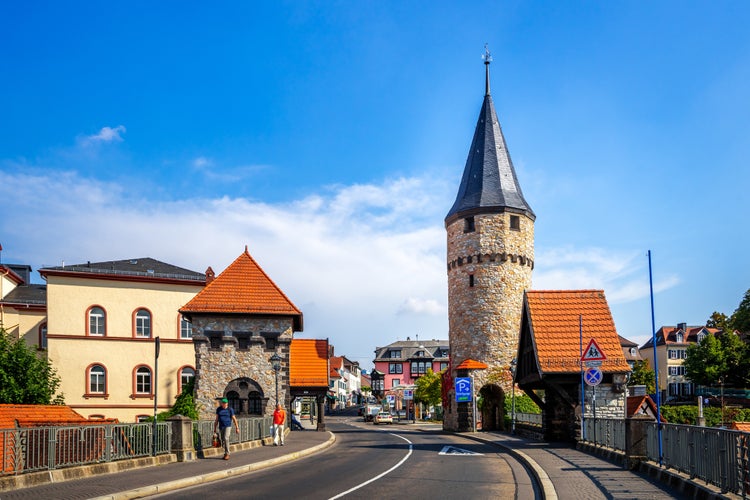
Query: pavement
562	471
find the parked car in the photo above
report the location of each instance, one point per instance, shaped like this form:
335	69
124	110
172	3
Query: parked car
383	417
369	412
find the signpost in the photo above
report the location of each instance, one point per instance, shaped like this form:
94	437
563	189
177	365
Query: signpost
592	357
463	389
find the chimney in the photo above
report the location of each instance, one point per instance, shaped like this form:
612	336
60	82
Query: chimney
210	275
682	326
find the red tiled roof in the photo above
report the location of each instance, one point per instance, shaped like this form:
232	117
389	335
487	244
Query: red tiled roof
636	403
12	416
337	362
308	363
741	426
471	364
554	318
243	288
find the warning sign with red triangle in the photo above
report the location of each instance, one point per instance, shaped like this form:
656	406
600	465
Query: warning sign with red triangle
593	352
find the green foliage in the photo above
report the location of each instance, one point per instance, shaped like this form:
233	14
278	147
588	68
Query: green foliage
524	404
719	320
740	319
184	405
688	414
642	374
429	388
25	378
705	361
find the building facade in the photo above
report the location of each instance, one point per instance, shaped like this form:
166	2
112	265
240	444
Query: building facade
243	326
490	258
103	320
404	361
671	351
23	306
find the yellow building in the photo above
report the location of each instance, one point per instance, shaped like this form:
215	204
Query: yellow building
102	322
23	306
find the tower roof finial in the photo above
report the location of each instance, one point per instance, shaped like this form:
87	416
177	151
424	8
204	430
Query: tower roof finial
487	60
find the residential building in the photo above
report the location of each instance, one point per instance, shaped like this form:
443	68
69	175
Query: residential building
671	351
23	305
630	351
489	262
404	361
340	384
103	320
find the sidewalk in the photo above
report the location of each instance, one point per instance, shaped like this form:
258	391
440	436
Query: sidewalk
142	481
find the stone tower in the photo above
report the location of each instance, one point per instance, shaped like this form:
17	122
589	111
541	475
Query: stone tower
490	231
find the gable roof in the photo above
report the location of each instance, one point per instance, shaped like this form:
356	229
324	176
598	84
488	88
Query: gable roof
489	183
550	324
308	363
243	288
642	405
667	335
432	349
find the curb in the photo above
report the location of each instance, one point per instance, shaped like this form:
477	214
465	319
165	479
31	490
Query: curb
216	476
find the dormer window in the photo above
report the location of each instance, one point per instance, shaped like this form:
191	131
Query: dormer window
419	354
632	351
679	337
469	225
395	354
701	336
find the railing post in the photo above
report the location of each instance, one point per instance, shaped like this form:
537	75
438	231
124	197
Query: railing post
182	438
635	440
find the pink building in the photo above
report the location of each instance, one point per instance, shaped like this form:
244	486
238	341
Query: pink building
403	362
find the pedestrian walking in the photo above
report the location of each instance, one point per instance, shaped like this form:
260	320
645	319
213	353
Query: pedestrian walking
279	417
224	419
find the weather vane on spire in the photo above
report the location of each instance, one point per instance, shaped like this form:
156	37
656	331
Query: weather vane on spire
487	60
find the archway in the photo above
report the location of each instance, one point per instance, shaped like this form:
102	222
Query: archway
245	396
493	408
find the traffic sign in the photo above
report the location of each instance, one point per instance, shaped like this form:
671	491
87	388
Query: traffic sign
593	376
593	352
463	389
408	394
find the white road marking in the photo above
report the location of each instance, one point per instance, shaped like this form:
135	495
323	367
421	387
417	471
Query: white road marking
452	450
381	474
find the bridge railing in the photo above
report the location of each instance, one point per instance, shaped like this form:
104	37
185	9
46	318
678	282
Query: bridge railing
719	457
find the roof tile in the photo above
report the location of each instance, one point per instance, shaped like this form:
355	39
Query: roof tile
308	363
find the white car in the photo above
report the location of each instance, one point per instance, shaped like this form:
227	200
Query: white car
383	417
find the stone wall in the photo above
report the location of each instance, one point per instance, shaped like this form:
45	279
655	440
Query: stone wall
488	271
609	404
228	348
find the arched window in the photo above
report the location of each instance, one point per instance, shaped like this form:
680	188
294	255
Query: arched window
186	329
187	373
143	381
254	403
142	323
97	322
97	380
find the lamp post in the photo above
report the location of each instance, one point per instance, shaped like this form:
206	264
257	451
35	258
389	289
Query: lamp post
276	365
513	366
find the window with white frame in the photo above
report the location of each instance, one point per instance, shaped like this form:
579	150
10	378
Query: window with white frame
143	323
97	322
676	353
395	382
395	353
420	367
395	368
143	380
97	380
186	328
186	375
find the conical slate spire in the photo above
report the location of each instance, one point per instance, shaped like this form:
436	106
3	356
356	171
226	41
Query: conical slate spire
489	183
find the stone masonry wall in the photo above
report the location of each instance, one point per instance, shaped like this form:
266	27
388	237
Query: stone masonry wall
484	319
217	367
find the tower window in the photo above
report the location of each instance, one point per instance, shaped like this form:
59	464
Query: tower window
469	225
471	280
515	222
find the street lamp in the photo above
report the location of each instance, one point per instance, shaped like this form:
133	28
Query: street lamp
276	365
513	366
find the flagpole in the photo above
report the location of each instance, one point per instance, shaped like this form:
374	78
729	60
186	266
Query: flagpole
656	363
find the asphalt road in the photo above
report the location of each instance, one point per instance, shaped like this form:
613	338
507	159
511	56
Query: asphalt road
386	461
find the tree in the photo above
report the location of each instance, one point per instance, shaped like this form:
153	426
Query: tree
705	362
740	319
25	378
719	320
429	388
735	360
643	375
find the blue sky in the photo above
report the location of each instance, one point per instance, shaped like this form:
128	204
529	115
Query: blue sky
330	138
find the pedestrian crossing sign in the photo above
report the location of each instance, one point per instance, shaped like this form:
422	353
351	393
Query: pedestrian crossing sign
593	352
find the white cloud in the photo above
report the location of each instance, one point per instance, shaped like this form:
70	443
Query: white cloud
106	134
365	263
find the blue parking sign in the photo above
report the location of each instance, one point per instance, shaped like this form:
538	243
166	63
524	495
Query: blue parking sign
463	389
